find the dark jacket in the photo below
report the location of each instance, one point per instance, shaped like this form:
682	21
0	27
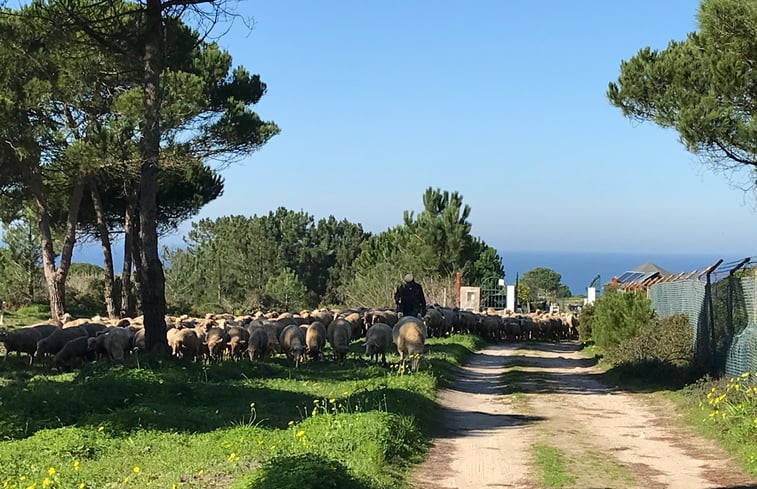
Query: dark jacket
410	299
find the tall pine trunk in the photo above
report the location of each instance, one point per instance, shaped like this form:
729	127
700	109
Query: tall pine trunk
127	304
102	230
152	278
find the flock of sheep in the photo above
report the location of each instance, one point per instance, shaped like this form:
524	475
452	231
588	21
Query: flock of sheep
299	336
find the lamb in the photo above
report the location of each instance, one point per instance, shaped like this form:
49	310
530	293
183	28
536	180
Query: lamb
73	353
378	340
21	340
409	334
184	343
257	346
292	341
238	340
315	339
57	339
338	335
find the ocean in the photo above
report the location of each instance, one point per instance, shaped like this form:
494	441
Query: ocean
578	269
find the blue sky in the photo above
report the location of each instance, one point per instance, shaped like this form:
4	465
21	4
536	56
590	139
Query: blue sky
502	101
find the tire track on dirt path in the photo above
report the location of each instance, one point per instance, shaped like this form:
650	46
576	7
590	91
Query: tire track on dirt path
610	439
479	431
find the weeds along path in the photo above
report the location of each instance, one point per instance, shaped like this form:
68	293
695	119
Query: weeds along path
532	415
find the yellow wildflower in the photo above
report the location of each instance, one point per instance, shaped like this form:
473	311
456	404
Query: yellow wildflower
76	465
300	434
46	482
100	428
126	479
233	457
136	469
51	471
82	485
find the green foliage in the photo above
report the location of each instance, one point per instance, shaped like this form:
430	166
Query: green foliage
663	342
619	316
585	320
703	86
433	246
544	284
21	280
165	423
284	291
229	261
725	410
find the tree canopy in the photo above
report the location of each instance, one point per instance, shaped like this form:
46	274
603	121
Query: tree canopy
544	283
434	245
704	87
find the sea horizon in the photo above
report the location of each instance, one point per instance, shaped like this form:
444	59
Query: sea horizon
579	268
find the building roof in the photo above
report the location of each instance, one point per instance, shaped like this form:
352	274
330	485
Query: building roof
649	268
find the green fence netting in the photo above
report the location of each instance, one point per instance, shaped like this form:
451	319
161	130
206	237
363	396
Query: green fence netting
725	334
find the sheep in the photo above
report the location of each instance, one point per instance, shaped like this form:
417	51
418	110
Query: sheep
378	340
338	335
93	329
409	334
138	339
45	329
315	339
73	353
292	341
21	340
216	339
57	339
184	343
238	340
114	343
257	346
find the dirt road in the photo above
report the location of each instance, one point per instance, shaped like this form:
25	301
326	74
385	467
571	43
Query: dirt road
514	399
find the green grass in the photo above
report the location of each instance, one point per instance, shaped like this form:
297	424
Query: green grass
552	466
196	426
23	316
724	410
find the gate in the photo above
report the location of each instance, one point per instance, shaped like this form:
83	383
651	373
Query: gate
493	293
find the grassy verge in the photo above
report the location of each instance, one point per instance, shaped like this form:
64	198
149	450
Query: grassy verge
174	424
724	410
552	466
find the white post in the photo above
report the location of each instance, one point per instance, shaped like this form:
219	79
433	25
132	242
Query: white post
511	298
592	295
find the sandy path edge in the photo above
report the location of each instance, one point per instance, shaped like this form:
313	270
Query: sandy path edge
485	437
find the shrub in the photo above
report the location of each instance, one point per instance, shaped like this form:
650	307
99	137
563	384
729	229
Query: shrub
666	341
585	318
619	316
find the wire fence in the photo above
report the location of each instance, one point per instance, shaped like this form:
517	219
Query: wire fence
721	305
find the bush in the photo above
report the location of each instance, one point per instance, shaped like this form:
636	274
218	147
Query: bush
585	318
666	341
619	316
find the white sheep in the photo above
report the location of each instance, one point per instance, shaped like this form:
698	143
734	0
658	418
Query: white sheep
409	334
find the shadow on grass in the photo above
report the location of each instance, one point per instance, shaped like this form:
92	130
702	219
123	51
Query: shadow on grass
307	471
186	397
